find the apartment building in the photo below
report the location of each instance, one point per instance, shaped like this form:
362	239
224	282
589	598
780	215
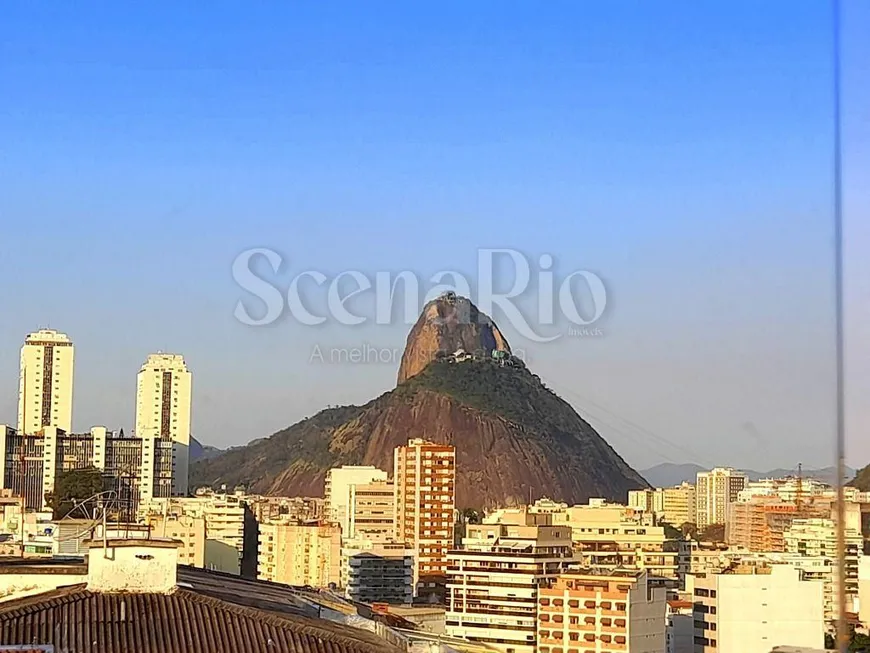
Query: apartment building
227	521
377	572
495	577
606	536
818	538
424	474
864	591
300	554
715	491
759	522
303	509
679	627
188	530
45	383
602	612
163	403
678	504
31	463
372	513
645	500
338	491
752	609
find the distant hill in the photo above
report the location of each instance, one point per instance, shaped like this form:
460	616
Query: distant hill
199	451
862	480
513	436
669	474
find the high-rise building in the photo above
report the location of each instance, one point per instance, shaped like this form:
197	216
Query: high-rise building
163	399
495	577
338	491
424	474
300	554
606	612
45	385
752	609
715	491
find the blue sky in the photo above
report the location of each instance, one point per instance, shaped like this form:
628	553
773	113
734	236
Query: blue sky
681	150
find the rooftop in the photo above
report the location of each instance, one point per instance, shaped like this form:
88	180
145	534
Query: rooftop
207	613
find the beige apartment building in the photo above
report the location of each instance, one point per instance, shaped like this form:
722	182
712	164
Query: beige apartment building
818	538
189	531
224	517
616	611
753	609
678	504
45	384
338	491
759	523
300	554
495	578
163	401
372	514
715	492
424	474
607	536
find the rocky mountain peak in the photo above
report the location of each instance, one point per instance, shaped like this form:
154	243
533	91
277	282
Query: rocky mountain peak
447	324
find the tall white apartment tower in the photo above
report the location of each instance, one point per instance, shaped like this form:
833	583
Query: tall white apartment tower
715	491
45	384
163	398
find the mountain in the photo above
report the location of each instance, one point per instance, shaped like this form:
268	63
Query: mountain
669	474
513	436
862	479
199	451
445	326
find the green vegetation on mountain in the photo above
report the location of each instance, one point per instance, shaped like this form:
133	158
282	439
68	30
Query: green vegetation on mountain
862	480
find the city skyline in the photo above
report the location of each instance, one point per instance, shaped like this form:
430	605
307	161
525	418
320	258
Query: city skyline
701	198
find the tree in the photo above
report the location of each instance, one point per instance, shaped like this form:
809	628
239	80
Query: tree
689	529
74	487
713	533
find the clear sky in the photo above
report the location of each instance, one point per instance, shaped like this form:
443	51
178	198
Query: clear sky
681	150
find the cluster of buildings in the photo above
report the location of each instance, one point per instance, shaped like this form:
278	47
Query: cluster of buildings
151	462
543	578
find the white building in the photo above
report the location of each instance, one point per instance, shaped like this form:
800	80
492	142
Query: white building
163	401
864	592
494	579
45	384
715	491
752	609
339	493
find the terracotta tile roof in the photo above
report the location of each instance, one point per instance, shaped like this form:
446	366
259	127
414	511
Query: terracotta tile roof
79	621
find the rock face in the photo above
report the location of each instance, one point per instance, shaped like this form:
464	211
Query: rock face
514	438
447	324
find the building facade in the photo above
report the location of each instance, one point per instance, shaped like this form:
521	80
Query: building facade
300	554
752	609
163	404
678	504
339	489
424	474
715	491
31	463
372	511
45	384
610	612
495	577
377	572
